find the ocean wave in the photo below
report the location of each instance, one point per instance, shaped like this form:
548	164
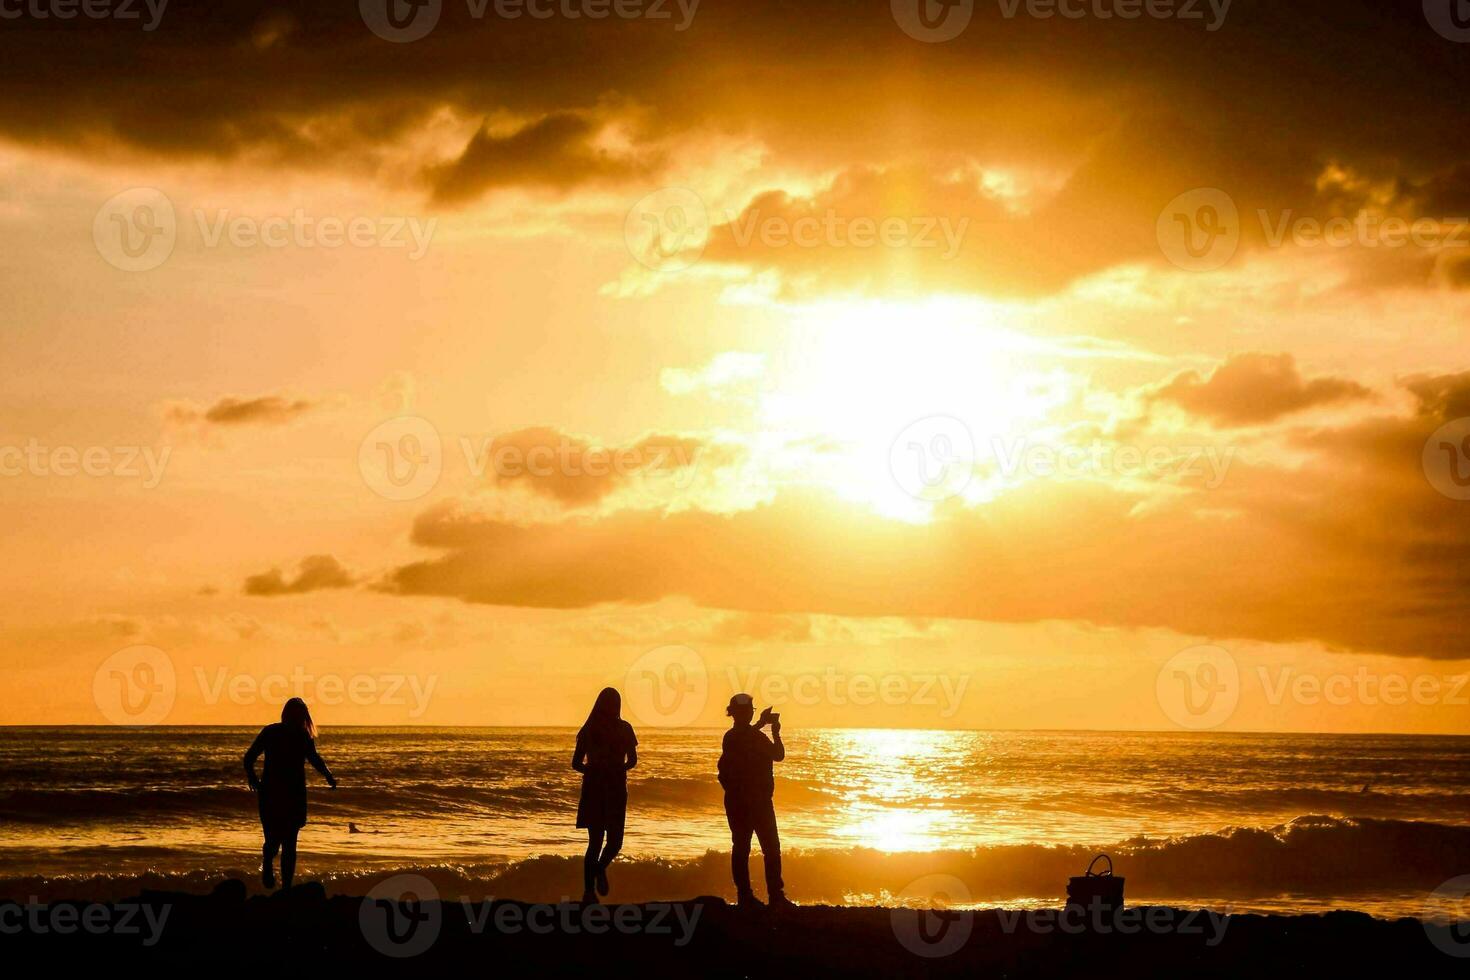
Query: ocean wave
1314	856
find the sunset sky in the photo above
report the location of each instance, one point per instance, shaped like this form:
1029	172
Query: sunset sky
1006	367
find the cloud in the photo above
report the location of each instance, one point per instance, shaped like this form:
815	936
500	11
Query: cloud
1253	389
1352	548
574	473
559	151
264	410
1066	126
316	572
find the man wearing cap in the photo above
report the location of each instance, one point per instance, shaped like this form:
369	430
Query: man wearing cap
745	774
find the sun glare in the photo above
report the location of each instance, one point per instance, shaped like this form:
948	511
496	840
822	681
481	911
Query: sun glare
858	373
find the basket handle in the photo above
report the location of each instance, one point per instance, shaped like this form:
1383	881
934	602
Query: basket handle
1102	874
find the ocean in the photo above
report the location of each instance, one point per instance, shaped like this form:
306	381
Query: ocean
1252	822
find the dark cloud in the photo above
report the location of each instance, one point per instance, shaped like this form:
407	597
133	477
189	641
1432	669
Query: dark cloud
265	410
1122	115
1253	389
556	152
316	572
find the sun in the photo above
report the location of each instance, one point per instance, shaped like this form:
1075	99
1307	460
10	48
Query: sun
856	374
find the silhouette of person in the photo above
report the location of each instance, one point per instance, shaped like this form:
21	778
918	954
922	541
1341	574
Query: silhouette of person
606	749
749	783
281	791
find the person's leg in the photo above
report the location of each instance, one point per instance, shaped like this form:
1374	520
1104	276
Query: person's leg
589	862
765	831
288	857
740	831
609	851
614	845
267	859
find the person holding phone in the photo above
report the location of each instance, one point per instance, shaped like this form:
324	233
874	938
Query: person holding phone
747	776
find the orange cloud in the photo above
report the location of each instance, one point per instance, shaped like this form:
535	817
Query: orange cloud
1353	549
1253	389
316	572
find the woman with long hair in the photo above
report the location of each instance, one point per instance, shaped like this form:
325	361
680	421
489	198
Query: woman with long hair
606	750
281	791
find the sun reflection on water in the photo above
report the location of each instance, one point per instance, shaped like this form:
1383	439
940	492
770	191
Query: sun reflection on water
897	802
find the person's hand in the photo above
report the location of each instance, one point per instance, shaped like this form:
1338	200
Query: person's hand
776	729
254	782
331	784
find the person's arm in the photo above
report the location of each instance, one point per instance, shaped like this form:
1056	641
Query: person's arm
632	750
251	754
318	764
778	748
579	754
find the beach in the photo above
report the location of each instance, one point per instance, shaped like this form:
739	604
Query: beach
705	937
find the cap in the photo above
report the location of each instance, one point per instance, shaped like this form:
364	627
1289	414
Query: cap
741	701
